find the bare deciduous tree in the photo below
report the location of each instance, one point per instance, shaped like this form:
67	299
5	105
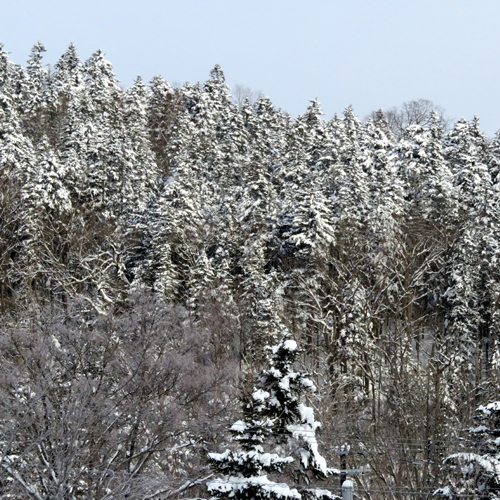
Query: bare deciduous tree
106	409
241	93
414	112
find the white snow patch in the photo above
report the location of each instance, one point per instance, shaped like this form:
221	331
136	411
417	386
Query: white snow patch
444	492
308	384
304	456
285	383
322	493
260	395
235	484
239	426
480	428
489	408
307	416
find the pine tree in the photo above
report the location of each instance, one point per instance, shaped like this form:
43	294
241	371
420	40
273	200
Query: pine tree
427	176
164	106
476	472
307	227
350	183
66	86
35	113
47	207
143	176
275	416
17	158
471	267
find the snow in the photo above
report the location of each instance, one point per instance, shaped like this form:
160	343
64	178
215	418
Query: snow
290	345
480	428
308	384
489	408
444	492
307	434
307	415
260	395
284	383
265	460
219	457
305	456
233	484
322	493
239	426
491	465
268	459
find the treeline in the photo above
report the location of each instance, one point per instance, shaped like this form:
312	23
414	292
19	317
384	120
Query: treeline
376	248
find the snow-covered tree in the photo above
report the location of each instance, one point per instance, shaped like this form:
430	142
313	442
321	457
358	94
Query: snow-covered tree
66	86
142	178
17	159
472	262
35	112
275	419
476	470
164	106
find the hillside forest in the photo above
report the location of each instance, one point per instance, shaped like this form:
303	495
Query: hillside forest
155	241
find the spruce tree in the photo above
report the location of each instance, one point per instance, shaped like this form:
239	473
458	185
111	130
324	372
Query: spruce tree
475	472
471	267
37	94
66	87
274	417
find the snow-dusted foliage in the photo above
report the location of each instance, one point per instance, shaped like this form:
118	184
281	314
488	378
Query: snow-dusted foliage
476	471
375	243
111	408
274	415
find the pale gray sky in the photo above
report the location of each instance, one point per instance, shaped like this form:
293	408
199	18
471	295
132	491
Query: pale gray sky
368	53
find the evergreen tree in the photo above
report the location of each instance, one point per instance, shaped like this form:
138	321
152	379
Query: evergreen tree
273	415
47	207
350	184
476	471
164	106
471	267
143	176
17	159
427	176
66	87
35	112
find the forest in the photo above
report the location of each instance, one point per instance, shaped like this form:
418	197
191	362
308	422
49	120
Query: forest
183	272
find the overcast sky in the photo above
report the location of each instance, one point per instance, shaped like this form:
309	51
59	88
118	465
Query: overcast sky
368	53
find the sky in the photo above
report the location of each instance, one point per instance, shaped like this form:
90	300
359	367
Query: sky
370	54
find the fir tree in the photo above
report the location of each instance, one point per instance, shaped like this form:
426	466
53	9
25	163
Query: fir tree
476	472
274	415
35	113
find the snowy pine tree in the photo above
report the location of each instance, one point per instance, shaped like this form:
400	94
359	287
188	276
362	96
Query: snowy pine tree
274	417
476	471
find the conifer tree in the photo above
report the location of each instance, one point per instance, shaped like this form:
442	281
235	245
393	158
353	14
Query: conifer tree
275	416
17	159
472	262
143	176
475	472
47	207
350	182
164	106
35	113
428	179
66	86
